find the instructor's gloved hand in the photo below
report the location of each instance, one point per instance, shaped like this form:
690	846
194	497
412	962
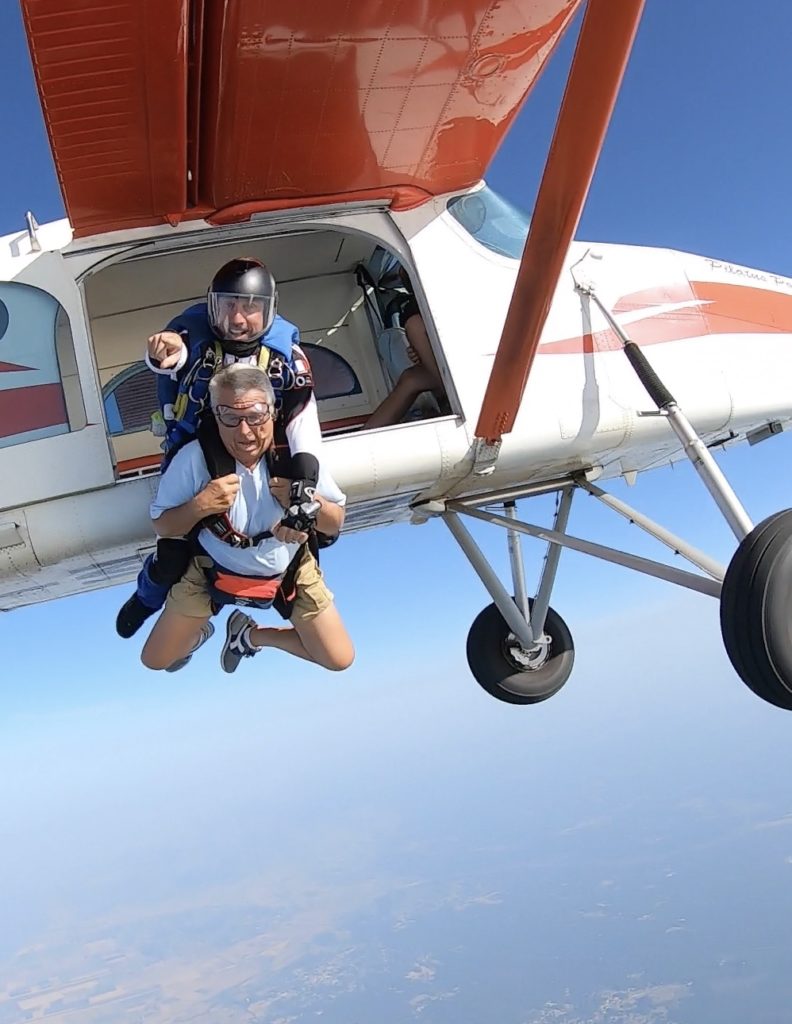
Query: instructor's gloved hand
302	507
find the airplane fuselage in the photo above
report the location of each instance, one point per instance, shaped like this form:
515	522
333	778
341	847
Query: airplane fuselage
79	466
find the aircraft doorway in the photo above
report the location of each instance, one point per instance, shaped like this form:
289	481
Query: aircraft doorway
344	292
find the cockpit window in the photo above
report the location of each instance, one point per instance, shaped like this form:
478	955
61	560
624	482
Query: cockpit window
492	221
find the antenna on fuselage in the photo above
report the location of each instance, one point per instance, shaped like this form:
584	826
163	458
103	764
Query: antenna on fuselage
32	229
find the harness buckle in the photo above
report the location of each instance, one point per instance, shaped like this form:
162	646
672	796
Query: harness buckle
224	531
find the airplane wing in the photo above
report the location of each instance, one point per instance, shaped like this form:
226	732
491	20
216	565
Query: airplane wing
206	109
160	111
113	83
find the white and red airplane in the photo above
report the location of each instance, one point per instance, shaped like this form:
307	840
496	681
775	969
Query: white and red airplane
326	138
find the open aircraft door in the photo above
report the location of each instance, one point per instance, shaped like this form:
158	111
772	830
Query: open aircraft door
53	440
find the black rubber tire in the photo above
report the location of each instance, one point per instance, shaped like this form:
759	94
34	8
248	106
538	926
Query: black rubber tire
501	676
756	610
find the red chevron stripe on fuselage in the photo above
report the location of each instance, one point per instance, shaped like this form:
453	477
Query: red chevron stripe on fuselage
692	309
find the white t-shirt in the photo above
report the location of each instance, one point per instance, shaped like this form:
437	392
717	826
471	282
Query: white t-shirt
254	511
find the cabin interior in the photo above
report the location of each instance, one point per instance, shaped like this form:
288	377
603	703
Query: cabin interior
353	341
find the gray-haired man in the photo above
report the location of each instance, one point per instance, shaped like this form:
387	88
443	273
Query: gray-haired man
254	551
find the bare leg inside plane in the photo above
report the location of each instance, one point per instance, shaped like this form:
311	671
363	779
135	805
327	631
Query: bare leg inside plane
424	376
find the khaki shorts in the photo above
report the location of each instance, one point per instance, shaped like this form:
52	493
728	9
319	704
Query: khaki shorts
190	596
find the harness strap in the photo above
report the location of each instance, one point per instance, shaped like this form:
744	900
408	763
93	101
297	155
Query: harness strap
195	383
194	386
225	587
287	594
220	526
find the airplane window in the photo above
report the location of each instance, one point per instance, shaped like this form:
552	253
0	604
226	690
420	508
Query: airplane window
492	221
332	374
40	394
129	400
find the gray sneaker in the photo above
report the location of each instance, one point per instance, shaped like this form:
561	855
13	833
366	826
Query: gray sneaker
236	647
206	632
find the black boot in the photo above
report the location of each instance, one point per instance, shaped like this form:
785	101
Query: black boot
131	617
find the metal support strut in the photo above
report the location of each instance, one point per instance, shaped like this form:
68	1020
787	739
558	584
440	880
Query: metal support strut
679	546
695	449
550	567
517	565
526	622
689	580
515	620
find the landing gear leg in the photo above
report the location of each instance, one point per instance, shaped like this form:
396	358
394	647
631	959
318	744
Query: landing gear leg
519	650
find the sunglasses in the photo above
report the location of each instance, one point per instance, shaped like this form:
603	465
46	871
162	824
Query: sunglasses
256	417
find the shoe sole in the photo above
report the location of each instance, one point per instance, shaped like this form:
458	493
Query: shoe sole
180	664
229	629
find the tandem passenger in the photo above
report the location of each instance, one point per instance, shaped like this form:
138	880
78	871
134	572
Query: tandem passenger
227	493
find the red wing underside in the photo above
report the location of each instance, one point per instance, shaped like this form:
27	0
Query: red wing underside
164	109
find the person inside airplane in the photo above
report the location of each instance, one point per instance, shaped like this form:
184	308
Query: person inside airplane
416	361
238	323
221	490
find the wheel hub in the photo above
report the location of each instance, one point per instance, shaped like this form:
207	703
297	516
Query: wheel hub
528	659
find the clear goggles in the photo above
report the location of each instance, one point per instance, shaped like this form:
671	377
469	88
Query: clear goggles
255	415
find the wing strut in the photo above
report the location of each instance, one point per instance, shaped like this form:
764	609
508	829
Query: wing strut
603	48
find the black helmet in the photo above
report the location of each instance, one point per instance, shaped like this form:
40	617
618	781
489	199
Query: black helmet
247	281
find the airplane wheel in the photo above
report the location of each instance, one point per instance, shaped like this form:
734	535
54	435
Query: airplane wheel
509	673
756	610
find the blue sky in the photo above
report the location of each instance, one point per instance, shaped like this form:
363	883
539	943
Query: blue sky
697	158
